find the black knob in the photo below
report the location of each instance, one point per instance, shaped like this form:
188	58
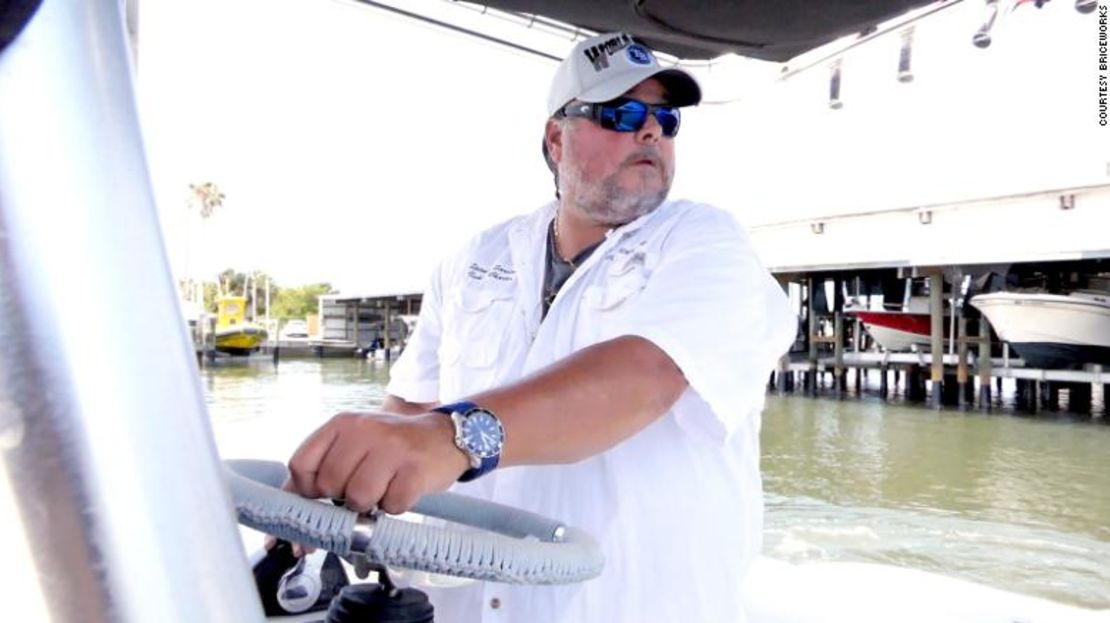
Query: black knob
373	603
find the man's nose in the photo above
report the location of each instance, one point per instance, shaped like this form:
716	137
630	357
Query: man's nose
651	131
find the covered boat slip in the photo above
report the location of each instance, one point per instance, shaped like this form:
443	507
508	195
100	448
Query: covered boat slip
920	155
355	323
1042	242
116	515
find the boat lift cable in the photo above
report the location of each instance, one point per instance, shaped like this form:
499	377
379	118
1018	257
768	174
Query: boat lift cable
525	20
898	25
530	20
466	31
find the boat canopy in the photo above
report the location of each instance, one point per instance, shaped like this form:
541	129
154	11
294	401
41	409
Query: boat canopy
770	30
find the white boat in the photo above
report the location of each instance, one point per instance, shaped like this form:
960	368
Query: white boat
1051	330
295	330
897	331
901	330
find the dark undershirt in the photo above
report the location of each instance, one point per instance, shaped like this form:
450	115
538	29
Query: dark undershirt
557	271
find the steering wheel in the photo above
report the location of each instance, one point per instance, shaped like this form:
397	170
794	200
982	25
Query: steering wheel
512	545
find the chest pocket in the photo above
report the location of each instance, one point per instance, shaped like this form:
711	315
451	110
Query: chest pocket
476	325
605	305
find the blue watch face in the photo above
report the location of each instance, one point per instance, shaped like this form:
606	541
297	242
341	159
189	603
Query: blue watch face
482	433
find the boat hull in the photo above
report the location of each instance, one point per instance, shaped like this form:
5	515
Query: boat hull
240	340
1050	330
897	331
1050	355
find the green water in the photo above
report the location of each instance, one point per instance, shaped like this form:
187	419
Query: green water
1019	503
1014	502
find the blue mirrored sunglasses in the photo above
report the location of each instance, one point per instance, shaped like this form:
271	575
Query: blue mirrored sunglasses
626	115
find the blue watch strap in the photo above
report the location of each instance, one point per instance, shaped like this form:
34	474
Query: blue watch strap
489	463
462	407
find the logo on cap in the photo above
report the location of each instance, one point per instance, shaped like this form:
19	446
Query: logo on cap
599	54
639	55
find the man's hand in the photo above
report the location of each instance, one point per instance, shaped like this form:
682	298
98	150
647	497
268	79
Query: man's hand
378	459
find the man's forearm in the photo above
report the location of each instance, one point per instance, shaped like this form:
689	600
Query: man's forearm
585	403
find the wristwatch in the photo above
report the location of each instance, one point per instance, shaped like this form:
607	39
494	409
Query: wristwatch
479	434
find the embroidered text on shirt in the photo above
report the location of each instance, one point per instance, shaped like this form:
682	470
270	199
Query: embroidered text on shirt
497	272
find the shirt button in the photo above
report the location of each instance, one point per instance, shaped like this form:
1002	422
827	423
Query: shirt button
495	603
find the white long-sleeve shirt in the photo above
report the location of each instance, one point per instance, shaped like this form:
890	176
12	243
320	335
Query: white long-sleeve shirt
677	508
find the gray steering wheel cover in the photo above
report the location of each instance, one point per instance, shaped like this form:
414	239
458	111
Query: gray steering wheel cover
514	546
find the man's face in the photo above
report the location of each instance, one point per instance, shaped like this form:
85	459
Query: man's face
614	177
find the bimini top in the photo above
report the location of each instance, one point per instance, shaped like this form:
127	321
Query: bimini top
771	30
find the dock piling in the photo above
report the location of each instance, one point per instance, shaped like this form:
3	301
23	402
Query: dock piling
811	341
983	363
936	317
915	384
1079	397
961	363
838	354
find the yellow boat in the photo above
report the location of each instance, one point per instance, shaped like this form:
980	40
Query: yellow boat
234	335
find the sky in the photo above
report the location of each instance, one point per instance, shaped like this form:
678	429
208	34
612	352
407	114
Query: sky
359	147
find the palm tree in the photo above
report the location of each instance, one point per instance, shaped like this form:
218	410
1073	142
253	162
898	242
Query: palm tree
206	198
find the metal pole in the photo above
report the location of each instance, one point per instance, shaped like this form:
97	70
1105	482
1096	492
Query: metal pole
358	327
107	450
387	340
254	297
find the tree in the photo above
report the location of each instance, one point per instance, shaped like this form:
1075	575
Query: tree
234	283
285	303
206	198
298	302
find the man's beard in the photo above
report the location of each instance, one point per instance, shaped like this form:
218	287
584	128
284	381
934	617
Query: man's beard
605	202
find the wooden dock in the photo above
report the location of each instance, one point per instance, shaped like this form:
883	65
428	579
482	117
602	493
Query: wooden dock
966	380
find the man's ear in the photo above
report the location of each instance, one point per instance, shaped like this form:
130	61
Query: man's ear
553	134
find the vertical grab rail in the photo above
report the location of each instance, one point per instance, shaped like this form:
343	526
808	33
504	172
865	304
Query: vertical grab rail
104	444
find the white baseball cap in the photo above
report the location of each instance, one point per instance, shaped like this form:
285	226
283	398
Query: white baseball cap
606	66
